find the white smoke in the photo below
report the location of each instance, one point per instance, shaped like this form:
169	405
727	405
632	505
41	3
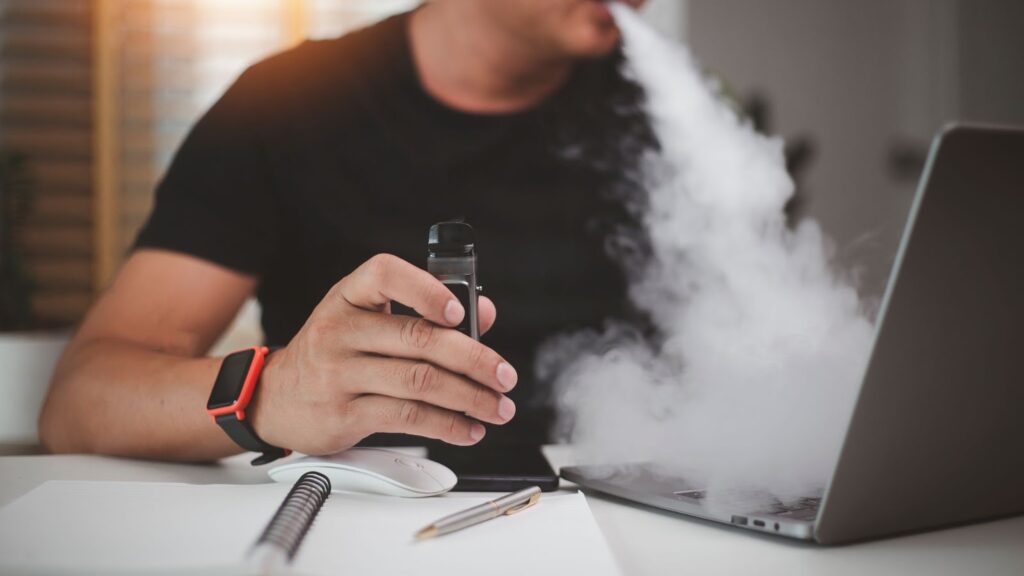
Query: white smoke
764	343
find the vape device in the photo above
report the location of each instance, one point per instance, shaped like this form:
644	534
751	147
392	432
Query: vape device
451	258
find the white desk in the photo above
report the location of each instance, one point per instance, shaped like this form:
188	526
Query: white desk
642	540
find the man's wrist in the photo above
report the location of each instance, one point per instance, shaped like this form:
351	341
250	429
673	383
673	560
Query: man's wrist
260	412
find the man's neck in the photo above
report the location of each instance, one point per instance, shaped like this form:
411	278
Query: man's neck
471	63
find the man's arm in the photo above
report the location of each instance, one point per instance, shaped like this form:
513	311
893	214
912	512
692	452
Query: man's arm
133	381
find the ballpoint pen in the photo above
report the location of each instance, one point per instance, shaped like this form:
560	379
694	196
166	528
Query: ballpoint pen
510	504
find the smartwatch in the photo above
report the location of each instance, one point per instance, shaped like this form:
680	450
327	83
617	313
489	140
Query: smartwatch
231	395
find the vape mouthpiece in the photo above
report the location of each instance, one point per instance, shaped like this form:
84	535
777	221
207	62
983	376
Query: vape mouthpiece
450	239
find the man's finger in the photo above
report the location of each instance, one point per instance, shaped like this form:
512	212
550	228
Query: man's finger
415	380
383	278
385	414
486	313
420	339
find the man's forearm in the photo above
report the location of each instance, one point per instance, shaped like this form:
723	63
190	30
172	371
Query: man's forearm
120	398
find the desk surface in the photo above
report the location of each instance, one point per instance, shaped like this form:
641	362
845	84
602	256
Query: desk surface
644	541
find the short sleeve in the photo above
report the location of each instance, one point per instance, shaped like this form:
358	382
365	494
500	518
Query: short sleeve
217	200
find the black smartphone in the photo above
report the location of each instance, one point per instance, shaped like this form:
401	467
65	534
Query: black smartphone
496	468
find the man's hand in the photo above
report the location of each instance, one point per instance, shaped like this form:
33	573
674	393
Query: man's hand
354	369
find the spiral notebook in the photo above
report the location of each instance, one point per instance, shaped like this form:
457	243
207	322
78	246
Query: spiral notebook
154	527
280	540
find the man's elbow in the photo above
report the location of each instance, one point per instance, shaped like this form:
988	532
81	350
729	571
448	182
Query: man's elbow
45	429
58	422
53	435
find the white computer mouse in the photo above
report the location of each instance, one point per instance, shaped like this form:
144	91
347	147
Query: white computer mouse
372	471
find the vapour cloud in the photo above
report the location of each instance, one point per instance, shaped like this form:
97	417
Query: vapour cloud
763	342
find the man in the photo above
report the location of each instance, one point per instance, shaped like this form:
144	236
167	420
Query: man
329	162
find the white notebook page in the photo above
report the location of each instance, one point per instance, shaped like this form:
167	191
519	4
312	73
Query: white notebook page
147	526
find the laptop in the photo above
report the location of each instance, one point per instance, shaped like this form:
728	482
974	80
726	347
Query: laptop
936	437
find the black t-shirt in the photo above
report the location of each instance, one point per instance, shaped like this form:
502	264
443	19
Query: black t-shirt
322	156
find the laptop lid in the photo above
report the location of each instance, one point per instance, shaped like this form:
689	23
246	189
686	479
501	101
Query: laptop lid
937	434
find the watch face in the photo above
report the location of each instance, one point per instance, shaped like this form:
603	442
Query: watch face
231	379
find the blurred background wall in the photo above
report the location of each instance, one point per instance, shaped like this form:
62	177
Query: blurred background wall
95	96
867	84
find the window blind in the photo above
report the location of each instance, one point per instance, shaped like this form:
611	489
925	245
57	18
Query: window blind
45	114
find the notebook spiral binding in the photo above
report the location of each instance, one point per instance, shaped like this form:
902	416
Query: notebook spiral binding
295	515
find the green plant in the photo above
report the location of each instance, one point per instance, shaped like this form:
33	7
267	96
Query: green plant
15	204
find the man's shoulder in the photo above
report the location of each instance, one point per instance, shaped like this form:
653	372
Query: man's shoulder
329	67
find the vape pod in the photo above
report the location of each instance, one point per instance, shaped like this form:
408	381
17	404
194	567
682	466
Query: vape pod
451	258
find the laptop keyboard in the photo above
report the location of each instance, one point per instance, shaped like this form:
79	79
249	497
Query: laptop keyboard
801	509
